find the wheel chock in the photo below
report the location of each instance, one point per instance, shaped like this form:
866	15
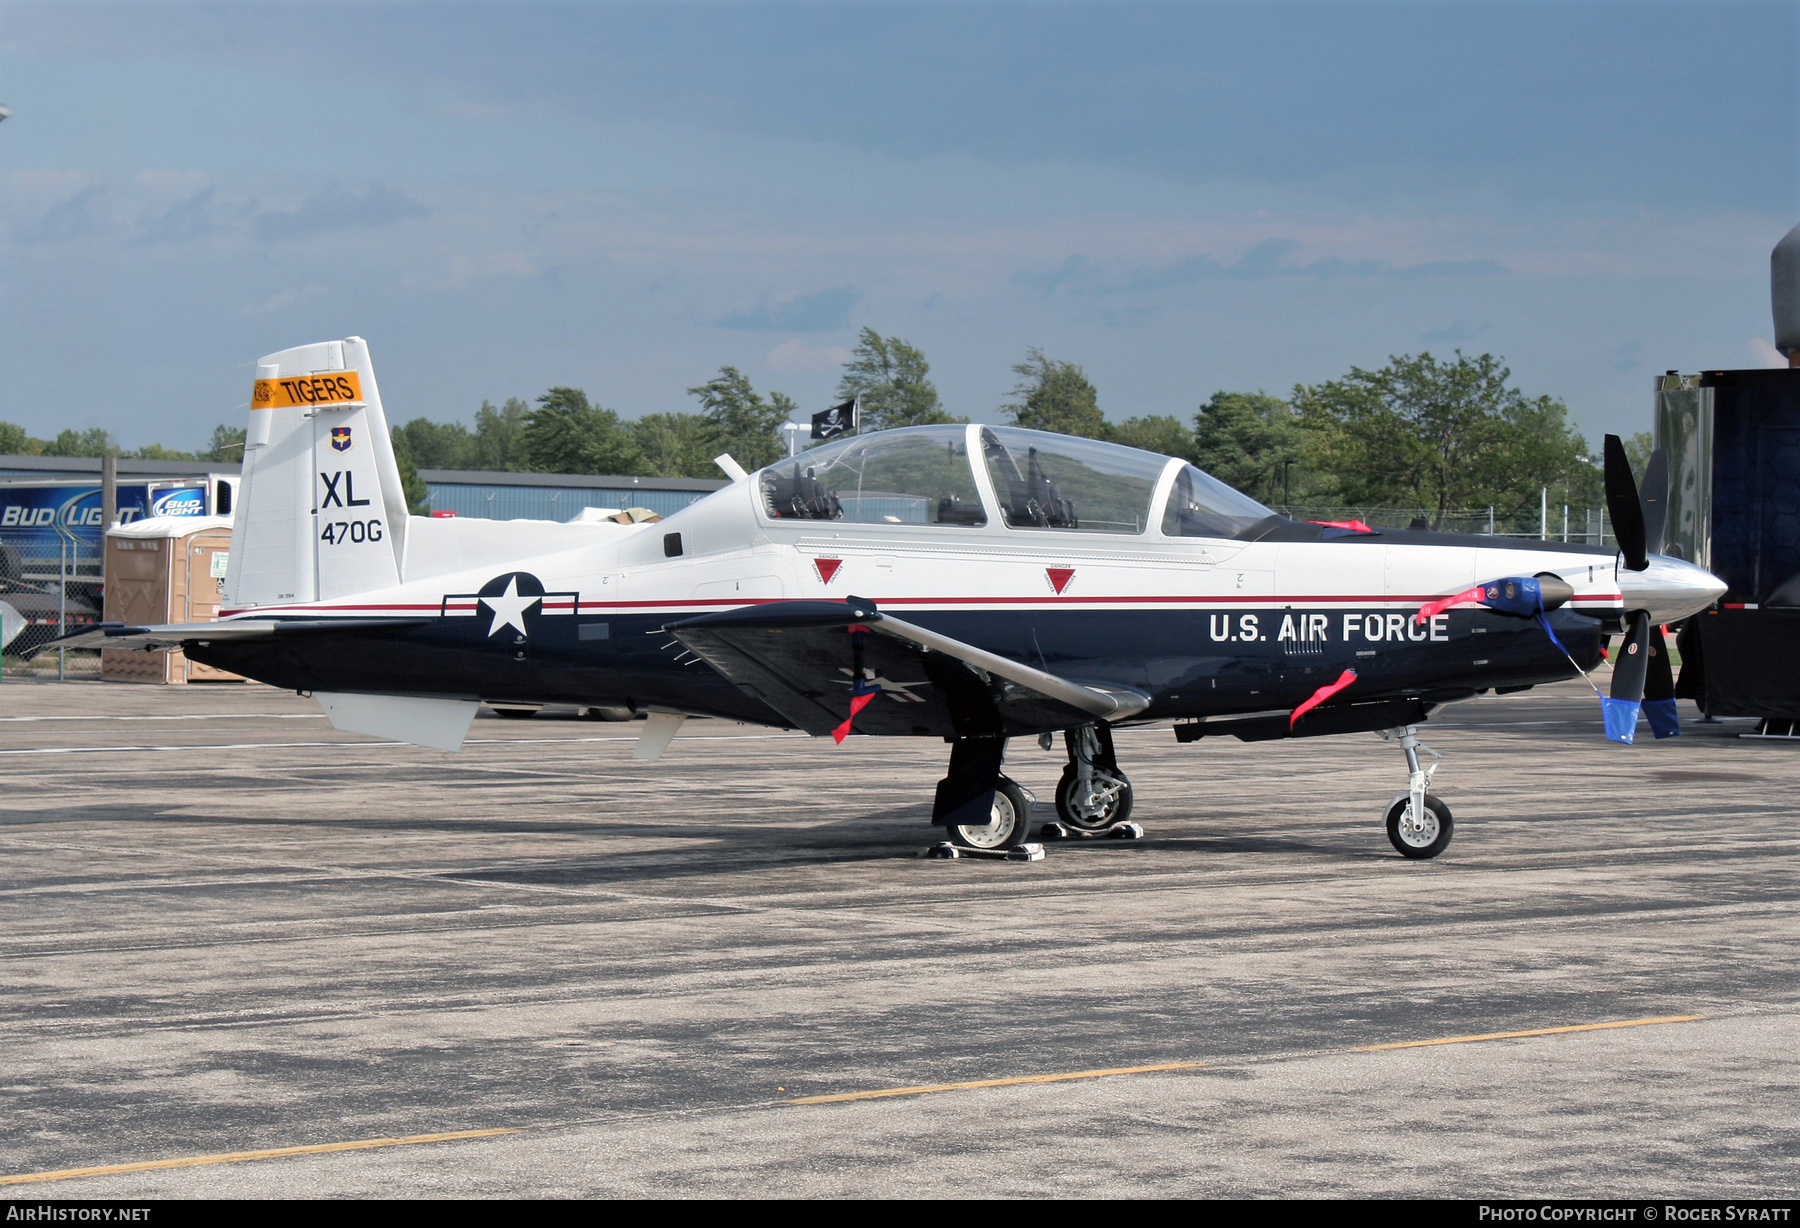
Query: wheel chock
952	852
1118	831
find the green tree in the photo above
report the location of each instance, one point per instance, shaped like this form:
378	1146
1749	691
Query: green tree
1055	396
1637	451
14	441
890	379
227	444
568	434
418	494
1441	435
1256	443
438	445
1155	433
746	426
95	441
497	433
677	445
155	451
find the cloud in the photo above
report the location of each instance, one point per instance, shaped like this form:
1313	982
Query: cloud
1627	356
1268	259
76	217
1456	330
186	219
1766	355
796	355
286	298
337	209
806	313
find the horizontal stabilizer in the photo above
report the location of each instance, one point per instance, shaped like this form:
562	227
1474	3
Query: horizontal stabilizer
441	724
11	624
810	659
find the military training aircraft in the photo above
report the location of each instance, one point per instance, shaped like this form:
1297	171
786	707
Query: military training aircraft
972	583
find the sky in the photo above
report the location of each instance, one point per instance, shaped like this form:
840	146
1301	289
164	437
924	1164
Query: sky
1183	198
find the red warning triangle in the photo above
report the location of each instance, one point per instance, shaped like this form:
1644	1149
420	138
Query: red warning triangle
1059	577
827	568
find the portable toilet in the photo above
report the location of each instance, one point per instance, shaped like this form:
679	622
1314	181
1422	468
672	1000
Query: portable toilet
167	569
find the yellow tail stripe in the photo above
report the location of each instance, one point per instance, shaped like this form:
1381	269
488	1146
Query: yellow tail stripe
1580	1027
235	1157
957	1087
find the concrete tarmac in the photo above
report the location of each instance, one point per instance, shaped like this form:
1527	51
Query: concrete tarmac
226	927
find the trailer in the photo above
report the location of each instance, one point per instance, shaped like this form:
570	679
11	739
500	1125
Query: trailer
1733	445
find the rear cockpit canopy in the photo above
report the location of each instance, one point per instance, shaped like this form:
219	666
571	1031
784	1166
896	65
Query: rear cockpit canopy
924	476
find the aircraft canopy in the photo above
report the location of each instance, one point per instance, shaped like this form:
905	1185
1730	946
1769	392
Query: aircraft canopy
924	476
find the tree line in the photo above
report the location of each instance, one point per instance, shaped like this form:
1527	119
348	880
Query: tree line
227	445
1420	432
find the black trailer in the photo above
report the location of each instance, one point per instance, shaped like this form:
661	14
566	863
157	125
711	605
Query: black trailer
1733	442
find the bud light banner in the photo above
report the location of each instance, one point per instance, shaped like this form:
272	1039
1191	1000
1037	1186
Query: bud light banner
183	501
43	515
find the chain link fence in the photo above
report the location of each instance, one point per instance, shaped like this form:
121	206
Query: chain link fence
51	581
1582	525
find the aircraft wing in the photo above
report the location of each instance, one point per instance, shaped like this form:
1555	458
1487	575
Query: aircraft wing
802	658
174	635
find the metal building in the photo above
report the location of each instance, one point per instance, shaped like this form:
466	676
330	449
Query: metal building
481	494
555	496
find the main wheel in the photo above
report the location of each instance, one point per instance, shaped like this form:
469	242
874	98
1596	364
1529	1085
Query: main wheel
1107	804
516	714
1425	839
1008	828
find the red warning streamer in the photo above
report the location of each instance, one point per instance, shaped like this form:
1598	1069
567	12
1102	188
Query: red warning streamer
1443	603
1321	695
857	704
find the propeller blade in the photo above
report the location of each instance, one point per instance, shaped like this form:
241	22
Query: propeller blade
1631	662
1659	688
1653	496
1630	668
1623	505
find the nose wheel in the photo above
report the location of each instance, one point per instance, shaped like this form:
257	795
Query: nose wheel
1422	836
1418	824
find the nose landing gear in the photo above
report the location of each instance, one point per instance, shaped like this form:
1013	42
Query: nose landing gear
1418	825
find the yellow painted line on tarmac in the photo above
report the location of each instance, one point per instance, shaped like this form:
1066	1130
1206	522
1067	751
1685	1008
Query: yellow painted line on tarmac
926	1089
958	1087
1579	1027
273	1153
238	1157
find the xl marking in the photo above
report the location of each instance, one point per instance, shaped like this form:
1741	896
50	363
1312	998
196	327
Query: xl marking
348	498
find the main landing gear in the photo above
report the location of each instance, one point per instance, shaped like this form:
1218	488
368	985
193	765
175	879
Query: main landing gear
985	811
977	806
1008	825
1093	798
1418	824
1093	794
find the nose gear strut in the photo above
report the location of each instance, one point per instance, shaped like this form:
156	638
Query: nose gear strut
1418	824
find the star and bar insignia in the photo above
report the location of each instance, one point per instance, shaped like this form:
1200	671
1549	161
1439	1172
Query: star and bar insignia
510	599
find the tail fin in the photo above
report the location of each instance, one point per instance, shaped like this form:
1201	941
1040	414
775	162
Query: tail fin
321	512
